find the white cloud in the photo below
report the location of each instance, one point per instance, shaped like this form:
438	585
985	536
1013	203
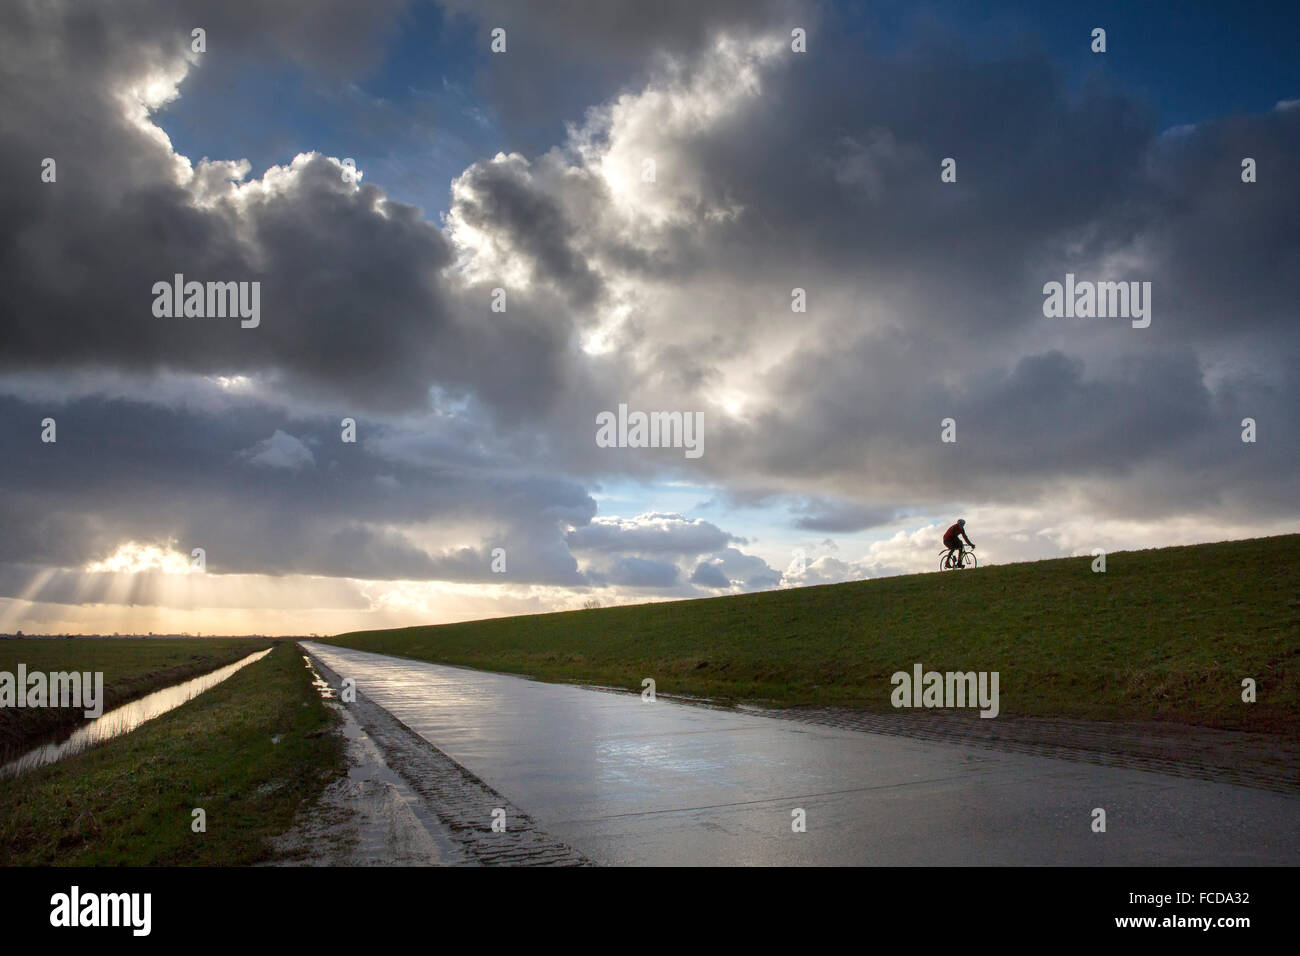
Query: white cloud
281	450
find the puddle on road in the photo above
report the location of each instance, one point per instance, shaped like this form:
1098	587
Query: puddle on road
127	717
322	686
375	791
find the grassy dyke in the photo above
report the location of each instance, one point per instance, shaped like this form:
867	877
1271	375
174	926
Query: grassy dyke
132	668
250	751
1163	634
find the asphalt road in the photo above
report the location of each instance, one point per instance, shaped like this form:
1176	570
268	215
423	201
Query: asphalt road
628	782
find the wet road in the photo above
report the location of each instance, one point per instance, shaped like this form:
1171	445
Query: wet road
629	782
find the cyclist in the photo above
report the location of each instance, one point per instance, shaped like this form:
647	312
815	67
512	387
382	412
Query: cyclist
952	540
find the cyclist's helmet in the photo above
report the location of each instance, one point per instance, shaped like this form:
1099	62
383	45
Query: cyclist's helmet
962	522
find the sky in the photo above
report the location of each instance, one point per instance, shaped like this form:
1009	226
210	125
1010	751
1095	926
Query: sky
735	210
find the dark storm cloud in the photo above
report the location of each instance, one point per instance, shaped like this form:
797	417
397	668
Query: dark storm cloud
632	572
644	551
353	292
708	575
841	516
834	176
130	471
562	56
1048	418
592	28
1227	250
498	198
350	301
662	534
837	168
334	36
731	567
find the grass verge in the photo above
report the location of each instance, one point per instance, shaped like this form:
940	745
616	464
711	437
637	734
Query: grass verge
249	752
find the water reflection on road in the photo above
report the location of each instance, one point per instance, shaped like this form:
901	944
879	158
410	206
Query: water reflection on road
629	782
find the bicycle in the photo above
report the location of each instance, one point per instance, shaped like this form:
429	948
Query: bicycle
963	558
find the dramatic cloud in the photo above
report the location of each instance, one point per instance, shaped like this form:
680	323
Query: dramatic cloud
670	534
733	568
683	215
562	56
841	516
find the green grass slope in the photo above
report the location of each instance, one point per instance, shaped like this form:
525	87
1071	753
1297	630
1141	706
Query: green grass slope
1166	634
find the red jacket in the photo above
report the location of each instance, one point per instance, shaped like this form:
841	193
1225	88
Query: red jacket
952	537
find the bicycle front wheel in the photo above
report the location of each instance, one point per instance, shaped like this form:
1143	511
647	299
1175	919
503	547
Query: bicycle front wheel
968	560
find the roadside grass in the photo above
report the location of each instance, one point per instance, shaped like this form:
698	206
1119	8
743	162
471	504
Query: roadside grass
1165	634
132	668
129	801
